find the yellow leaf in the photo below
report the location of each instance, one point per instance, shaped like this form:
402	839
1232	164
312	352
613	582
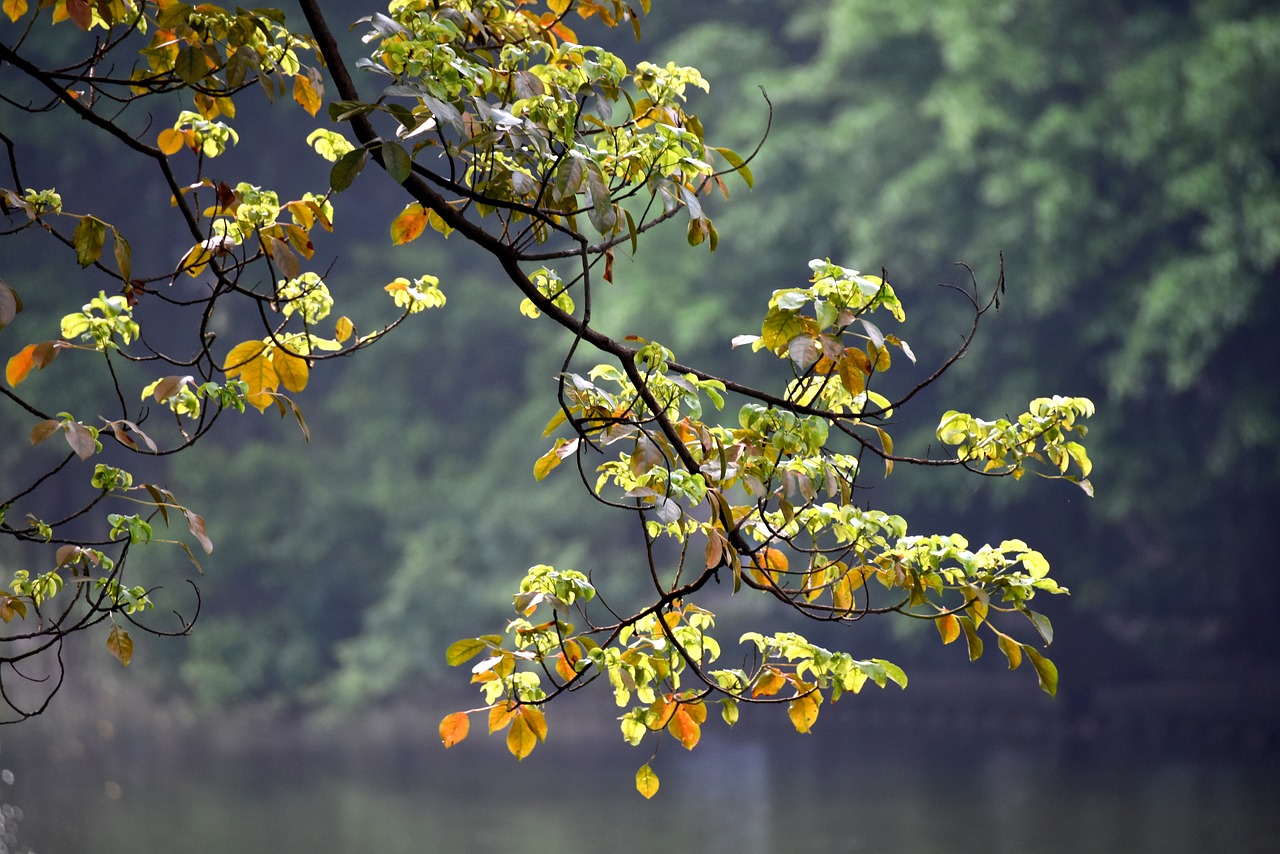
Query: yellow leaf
454	728
241	355
521	740
500	716
803	710
410	223
247	361
292	370
15	9
535	721
1012	650
646	781
344	329
948	627
304	92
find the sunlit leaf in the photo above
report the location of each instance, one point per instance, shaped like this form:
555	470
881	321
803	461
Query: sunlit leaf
15	9
803	710
1045	669
770	682
948	626
454	728
304	92
1012	650
521	740
464	650
501	715
739	165
292	370
684	726
408	224
646	781
343	329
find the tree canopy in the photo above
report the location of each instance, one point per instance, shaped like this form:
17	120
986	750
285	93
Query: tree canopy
555	159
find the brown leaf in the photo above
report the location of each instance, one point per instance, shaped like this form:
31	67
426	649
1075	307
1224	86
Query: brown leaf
120	645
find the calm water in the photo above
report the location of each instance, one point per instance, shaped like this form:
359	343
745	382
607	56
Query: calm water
93	791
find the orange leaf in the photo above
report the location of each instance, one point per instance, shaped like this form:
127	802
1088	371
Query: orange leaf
410	223
454	728
684	727
304	92
948	627
767	564
20	365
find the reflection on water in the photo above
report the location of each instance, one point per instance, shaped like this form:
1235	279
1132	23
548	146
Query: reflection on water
882	788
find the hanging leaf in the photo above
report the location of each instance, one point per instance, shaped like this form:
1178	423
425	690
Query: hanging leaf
195	524
646	781
306	94
454	728
1045	669
120	645
89	237
15	9
803	710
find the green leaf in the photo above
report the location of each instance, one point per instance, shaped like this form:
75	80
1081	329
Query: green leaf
1045	669
88	239
190	64
1042	624
398	163
346	168
464	650
739	165
971	638
124	255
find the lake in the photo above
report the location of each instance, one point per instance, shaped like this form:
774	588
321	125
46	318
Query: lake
891	783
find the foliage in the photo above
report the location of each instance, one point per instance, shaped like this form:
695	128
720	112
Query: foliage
1116	155
554	158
